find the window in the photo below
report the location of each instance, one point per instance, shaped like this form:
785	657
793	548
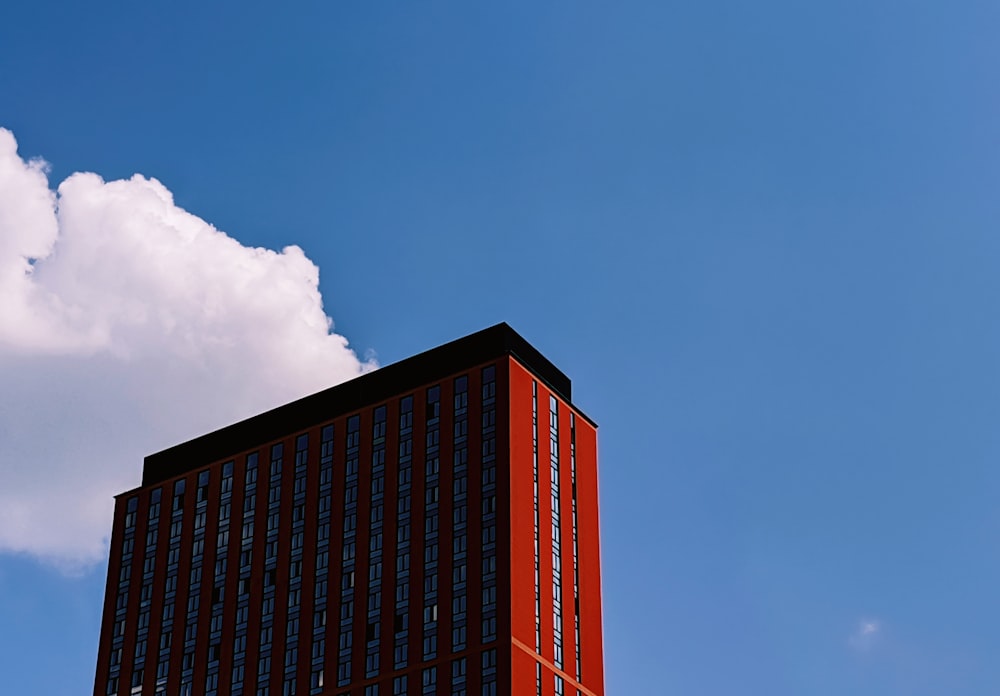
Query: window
433	403
316	680
489	661
429	680
399	656
430	613
489	629
202	487
371	665
178	503
132	506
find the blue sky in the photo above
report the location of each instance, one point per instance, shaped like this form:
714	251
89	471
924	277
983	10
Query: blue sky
761	238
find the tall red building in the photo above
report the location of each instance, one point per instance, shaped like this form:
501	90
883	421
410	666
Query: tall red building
427	528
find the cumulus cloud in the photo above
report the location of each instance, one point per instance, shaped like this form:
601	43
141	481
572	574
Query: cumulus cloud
126	325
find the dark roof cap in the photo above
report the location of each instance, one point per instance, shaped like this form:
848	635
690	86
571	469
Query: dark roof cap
353	395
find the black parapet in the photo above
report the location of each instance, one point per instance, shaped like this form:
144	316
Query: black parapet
383	383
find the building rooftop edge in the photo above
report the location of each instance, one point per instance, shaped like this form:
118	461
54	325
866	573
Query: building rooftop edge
393	379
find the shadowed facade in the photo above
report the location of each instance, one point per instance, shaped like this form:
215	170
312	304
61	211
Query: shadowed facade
428	528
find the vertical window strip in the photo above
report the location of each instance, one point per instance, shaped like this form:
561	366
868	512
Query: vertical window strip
459	604
219	582
431	498
266	635
194	586
166	624
321	586
489	517
293	615
557	609
576	548
537	520
173	564
145	594
346	639
273	506
245	525
402	567
374	604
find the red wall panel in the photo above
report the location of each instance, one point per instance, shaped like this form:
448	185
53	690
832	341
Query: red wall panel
522	544
591	640
522	552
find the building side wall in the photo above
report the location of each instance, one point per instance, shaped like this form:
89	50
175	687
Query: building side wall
110	593
589	532
561	514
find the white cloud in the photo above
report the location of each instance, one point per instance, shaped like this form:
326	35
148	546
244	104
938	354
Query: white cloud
126	325
865	634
